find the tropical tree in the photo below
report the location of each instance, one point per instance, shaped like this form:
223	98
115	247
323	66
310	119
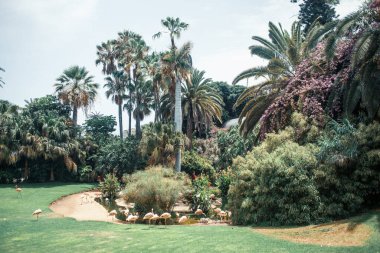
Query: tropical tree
179	61
107	56
175	26
116	86
100	126
144	102
154	70
310	10
200	102
284	52
76	88
362	29
133	51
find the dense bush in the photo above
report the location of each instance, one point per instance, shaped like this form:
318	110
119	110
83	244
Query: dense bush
293	177
158	143
156	187
110	186
119	157
223	182
200	195
194	163
231	144
274	183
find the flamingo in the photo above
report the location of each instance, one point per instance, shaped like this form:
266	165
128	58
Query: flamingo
148	216
154	218
132	218
199	212
37	212
112	213
182	220
18	190
165	216
222	214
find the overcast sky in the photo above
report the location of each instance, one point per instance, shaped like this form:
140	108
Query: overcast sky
41	38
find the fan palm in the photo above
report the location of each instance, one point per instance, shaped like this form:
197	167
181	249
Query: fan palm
144	102
200	102
76	88
364	88
175	26
116	86
107	56
283	52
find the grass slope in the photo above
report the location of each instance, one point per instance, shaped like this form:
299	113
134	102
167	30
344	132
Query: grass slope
20	232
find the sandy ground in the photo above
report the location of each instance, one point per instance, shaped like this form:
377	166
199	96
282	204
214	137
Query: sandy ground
81	209
340	233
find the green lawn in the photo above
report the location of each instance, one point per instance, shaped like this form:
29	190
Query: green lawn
20	232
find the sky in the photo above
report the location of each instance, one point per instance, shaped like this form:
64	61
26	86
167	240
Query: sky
41	38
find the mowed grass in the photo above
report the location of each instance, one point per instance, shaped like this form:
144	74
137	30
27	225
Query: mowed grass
20	232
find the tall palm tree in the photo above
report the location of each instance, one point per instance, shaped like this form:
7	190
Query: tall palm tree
107	56
76	88
154	69
284	51
175	27
144	102
116	85
200	102
364	88
132	52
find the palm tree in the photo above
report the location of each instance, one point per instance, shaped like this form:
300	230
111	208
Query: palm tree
132	52
200	102
76	88
177	65
116	89
175	26
363	89
283	52
154	69
107	56
144	102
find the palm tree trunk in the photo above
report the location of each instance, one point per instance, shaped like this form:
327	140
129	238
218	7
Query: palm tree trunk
156	102
178	122
138	120
26	169
189	128
120	119
75	115
129	122
51	173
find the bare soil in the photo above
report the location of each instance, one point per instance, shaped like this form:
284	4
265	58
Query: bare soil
81	209
341	233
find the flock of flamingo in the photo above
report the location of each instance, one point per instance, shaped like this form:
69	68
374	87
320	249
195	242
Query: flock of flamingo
133	217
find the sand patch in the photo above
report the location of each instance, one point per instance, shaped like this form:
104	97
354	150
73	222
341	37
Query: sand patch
76	207
342	233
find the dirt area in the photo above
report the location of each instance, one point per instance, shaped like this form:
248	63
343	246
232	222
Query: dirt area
81	209
342	233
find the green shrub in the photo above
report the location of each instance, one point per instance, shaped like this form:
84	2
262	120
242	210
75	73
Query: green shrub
110	186
194	163
156	187
223	182
199	196
119	157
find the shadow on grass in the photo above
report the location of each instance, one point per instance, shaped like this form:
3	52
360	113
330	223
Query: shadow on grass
364	218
